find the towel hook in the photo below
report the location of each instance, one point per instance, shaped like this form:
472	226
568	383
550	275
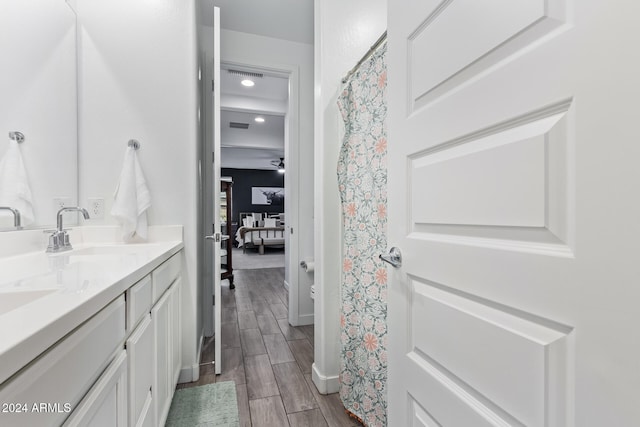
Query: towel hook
16	136
133	143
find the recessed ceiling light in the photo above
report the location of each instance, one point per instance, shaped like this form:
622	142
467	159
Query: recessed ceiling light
247	83
259	119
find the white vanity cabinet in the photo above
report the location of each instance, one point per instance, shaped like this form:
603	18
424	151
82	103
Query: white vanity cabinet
118	368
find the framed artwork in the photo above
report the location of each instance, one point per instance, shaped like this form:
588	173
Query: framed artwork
273	196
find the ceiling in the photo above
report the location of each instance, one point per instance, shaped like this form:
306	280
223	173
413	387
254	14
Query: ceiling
266	135
260	144
266	87
282	19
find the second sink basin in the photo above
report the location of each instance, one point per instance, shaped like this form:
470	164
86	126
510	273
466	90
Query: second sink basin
10	301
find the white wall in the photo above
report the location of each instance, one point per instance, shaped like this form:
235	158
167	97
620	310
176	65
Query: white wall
344	31
138	79
276	54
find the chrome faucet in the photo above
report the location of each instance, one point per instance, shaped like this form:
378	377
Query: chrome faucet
16	215
59	240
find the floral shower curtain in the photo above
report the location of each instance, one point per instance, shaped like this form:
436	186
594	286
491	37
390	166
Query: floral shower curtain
362	179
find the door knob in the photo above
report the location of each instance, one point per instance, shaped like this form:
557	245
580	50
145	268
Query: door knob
394	258
216	237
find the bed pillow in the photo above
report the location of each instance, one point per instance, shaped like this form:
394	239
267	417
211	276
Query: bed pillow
269	222
247	221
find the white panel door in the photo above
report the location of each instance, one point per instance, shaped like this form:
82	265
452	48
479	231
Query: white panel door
210	176
176	328
513	174
162	388
105	405
217	290
140	351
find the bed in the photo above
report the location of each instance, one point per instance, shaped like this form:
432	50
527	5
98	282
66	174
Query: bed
258	231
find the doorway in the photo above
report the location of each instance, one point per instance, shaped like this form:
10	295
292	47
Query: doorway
255	120
286	111
254	107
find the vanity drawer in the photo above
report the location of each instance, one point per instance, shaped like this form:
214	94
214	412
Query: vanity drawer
139	298
57	380
164	275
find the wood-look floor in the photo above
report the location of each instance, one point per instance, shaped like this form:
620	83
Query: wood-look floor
269	360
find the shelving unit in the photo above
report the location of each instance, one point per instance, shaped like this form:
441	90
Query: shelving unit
226	229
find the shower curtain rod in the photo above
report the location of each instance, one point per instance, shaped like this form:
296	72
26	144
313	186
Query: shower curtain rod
373	48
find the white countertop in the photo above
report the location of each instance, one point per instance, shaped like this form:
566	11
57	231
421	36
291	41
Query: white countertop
44	296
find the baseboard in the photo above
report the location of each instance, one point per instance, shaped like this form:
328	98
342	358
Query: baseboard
195	369
192	373
186	375
305	319
324	384
286	285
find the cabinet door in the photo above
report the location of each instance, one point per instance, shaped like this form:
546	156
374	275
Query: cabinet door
161	317
140	352
176	336
106	403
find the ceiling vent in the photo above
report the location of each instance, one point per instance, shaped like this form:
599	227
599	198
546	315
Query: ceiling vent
237	125
246	74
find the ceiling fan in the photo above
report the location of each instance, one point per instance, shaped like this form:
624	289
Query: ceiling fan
279	165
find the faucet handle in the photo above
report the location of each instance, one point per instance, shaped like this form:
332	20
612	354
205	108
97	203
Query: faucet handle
54	242
58	241
63	240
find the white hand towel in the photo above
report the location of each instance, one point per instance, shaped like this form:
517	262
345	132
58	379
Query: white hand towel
14	185
132	198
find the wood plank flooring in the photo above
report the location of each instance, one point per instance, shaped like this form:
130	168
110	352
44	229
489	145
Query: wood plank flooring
268	359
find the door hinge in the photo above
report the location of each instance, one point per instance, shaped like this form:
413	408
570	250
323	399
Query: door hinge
213	85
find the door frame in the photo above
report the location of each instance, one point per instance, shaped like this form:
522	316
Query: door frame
291	154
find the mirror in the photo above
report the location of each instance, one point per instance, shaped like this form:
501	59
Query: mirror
38	97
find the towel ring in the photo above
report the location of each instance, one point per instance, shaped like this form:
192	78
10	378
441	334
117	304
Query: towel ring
16	136
133	143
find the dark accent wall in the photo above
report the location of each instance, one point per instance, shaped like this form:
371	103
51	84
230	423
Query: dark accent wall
243	180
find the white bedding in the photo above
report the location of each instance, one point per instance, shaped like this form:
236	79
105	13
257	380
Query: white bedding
240	240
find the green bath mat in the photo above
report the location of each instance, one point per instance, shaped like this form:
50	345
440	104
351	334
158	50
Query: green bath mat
211	405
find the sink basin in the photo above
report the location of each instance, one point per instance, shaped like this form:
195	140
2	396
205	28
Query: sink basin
109	250
10	301
99	250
